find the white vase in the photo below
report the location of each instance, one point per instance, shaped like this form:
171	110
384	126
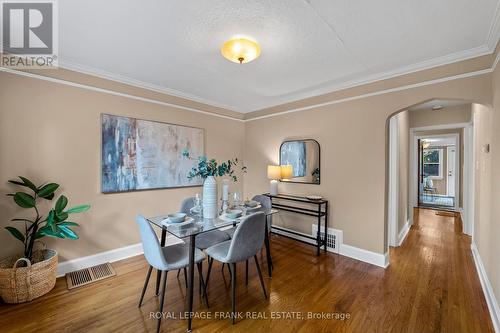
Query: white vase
210	198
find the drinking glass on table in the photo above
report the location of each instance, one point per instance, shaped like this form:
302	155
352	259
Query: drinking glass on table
236	199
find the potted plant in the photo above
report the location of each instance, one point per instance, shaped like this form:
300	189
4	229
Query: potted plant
208	169
33	274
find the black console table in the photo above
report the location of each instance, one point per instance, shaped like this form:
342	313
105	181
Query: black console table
320	212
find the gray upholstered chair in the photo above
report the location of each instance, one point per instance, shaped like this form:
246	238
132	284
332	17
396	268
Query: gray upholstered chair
204	240
266	204
246	243
165	259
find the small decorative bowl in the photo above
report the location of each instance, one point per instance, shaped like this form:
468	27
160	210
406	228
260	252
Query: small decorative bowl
233	213
251	203
176	217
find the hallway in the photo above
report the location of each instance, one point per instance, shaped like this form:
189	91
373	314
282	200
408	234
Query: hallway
436	261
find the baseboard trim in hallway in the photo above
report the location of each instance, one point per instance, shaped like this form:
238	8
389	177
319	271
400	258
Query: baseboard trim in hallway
487	289
404	233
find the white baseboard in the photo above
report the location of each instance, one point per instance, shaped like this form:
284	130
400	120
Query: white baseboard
103	257
487	289
403	233
377	259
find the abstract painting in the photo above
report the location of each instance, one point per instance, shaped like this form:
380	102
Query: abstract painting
141	154
294	153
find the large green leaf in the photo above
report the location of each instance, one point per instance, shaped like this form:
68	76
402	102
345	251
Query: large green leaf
47	191
68	224
24	200
51	232
16	233
68	233
60	217
78	209
61	203
28	183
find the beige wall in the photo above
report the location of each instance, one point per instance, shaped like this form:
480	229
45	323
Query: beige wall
404	163
51	132
492	250
448	115
487	182
352	135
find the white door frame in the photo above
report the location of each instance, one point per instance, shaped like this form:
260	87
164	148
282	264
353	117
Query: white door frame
414	176
469	195
451	185
393	207
468	190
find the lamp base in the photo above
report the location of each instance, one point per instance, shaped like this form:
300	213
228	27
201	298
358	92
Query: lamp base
274	187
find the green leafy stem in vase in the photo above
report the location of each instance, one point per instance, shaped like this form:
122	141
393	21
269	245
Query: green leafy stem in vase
55	224
210	167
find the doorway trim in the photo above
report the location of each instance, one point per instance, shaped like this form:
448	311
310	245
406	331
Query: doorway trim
468	188
414	161
393	207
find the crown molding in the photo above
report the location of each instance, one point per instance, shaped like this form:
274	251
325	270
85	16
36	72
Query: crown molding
448	59
114	93
294	96
71	66
376	93
494	32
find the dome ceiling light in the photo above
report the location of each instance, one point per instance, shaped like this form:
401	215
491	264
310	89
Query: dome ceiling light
240	50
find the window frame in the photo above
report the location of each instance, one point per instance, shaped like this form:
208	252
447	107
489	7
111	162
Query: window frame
440	163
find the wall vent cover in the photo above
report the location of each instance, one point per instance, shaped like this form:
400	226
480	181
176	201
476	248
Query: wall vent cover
92	274
333	238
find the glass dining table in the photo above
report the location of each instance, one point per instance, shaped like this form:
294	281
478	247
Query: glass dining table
195	227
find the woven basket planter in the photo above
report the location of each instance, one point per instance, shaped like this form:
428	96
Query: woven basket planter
23	284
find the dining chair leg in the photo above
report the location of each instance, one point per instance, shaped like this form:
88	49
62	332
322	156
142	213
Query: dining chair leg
210	262
203	286
246	273
158	279
233	291
178	272
162	300
150	269
200	271
260	276
185	277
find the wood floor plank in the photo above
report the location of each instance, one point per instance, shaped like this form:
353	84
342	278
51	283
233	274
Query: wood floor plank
431	285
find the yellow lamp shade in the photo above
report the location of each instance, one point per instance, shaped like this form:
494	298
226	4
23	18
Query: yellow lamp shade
286	171
240	50
273	172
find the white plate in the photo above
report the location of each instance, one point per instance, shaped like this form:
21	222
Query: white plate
224	217
253	208
168	223
314	197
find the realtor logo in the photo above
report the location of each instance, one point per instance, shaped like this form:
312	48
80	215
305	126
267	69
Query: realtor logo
29	34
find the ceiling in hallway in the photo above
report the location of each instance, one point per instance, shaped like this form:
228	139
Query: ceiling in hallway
309	47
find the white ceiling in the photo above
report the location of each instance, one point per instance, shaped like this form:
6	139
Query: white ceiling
309	47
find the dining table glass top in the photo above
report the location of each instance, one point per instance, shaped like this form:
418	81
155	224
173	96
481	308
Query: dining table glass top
196	224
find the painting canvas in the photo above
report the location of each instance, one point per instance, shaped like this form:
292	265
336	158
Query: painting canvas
294	153
141	154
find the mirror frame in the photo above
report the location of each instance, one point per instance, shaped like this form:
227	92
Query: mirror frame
319	161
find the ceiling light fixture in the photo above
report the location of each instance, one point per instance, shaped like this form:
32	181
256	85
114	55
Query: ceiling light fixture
425	144
240	50
437	107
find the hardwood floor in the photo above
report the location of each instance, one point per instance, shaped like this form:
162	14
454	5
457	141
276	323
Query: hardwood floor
431	285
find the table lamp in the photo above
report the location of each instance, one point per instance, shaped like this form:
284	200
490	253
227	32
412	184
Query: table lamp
274	174
286	172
